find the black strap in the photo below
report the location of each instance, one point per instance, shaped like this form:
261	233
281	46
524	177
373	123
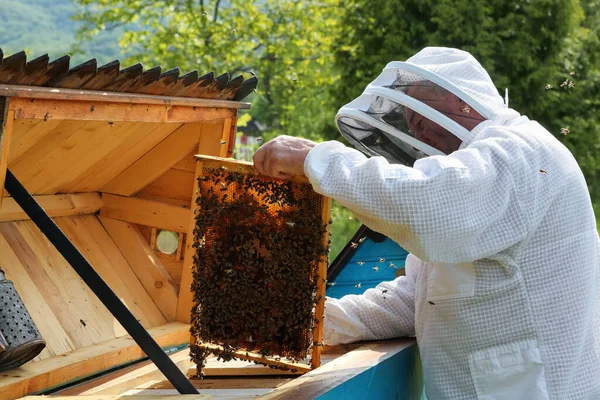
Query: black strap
97	285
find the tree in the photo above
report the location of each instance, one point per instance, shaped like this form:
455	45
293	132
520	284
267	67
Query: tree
288	44
524	45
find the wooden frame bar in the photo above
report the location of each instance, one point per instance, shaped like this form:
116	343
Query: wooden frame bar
36	92
86	110
6	128
58	205
146	212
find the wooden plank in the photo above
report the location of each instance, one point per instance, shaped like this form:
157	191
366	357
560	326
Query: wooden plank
57	340
59	205
101	110
75	153
90	237
129	397
69	299
146	212
172	265
6	128
31	133
156	162
246	382
36	92
56	70
342	369
250	356
77	75
210	143
33	71
106	73
12	66
174	184
321	280
188	163
127	378
145	264
35	377
138	141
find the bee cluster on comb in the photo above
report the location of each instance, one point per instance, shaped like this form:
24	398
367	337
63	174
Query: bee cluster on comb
258	278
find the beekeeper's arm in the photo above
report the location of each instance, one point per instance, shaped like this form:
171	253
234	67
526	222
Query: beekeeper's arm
447	209
387	311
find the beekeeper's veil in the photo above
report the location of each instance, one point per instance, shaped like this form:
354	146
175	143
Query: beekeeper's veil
422	107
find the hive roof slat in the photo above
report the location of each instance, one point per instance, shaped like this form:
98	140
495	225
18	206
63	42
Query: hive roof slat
15	70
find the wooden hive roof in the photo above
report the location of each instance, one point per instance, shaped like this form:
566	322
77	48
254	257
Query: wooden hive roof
16	70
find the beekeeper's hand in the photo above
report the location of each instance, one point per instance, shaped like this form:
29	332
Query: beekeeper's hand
282	157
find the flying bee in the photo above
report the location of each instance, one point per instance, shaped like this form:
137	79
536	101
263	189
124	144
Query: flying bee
350	218
360	263
548	87
564	131
353	245
565	83
259	139
357	285
362	239
572	73
392	265
330	283
381	260
223	142
543	171
376	268
571	84
466	109
384	291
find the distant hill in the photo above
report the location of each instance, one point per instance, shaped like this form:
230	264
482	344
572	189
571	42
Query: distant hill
45	26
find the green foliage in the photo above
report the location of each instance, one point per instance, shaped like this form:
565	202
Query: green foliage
524	45
45	26
288	44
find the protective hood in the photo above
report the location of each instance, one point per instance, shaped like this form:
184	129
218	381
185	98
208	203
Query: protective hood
425	106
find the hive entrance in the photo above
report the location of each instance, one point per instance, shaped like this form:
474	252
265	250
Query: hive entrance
259	268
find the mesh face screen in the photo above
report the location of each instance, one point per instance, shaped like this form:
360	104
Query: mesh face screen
257	243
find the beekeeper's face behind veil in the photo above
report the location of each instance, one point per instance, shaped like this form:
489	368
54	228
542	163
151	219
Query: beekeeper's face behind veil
423	107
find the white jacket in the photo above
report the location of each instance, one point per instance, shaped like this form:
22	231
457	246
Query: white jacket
502	285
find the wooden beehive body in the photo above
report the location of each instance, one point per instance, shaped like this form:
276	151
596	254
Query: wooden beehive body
114	170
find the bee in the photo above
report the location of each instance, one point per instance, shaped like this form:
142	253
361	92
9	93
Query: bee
252	73
565	83
259	139
384	291
548	87
204	13
572	73
571	84
357	285
330	283
234	30
362	239
466	109
381	260
353	245
543	171
376	268
350	218
223	142
564	131
392	265
361	263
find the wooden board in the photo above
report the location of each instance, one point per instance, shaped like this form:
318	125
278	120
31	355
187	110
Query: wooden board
6	128
173	184
146	212
156	162
79	156
31	92
145	264
60	205
129	397
48	109
38	376
93	241
127	378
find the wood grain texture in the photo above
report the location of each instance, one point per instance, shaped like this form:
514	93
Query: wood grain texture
34	92
146	212
6	129
35	377
156	162
145	264
101	110
61	205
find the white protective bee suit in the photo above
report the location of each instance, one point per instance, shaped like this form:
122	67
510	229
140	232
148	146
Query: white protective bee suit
502	284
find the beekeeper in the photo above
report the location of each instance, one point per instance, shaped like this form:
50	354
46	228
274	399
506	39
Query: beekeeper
502	285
